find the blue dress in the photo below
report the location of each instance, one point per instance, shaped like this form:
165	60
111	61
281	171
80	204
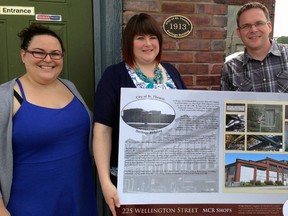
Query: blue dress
52	171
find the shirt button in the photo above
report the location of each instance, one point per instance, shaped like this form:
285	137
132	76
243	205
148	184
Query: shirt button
264	79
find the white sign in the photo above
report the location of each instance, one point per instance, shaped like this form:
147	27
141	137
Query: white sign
202	147
17	10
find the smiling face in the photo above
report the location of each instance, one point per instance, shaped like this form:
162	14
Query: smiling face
42	70
254	38
145	49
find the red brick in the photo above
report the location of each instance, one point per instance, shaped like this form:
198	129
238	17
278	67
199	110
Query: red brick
188	80
181	8
219	21
210	33
199	88
216	69
194	69
200	20
209	57
169	44
218	45
139	5
213	9
177	56
207	80
216	88
195	45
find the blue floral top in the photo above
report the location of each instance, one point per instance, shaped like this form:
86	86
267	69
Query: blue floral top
139	83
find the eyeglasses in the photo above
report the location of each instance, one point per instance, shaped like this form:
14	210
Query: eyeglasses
257	25
56	55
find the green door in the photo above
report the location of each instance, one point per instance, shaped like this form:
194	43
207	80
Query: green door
71	19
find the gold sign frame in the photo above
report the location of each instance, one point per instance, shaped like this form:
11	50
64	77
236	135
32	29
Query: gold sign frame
177	26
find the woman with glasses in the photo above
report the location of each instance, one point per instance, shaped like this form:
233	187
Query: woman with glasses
263	65
45	131
141	68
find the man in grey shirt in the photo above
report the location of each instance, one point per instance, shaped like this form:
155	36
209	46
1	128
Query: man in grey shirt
263	67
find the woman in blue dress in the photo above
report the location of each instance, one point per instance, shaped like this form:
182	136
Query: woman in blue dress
45	133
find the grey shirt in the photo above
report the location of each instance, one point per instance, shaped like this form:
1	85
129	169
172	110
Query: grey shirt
244	73
6	115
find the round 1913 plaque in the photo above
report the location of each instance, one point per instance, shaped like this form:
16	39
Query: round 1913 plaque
177	26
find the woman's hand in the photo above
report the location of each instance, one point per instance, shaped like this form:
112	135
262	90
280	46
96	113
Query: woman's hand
111	197
102	145
3	210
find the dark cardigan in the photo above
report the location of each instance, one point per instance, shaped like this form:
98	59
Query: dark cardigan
107	98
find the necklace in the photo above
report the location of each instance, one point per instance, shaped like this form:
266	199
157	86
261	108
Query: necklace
157	79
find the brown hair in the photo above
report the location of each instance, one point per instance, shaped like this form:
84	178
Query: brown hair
139	24
251	5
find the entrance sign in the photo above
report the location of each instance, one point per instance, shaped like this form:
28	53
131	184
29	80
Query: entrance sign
17	10
177	26
197	152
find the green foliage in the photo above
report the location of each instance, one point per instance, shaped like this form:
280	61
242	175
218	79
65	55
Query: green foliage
282	40
257	183
269	182
247	184
280	183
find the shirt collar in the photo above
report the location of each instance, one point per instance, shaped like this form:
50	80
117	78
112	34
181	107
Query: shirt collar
274	50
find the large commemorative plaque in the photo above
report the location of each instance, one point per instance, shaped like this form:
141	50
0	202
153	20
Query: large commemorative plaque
188	152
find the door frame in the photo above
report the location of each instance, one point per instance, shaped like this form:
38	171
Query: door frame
107	18
107	24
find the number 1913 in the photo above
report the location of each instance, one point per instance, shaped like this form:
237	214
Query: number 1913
178	26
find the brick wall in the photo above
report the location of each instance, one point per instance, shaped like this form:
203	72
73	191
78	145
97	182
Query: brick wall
198	56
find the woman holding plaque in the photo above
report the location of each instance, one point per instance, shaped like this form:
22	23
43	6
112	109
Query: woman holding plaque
141	68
